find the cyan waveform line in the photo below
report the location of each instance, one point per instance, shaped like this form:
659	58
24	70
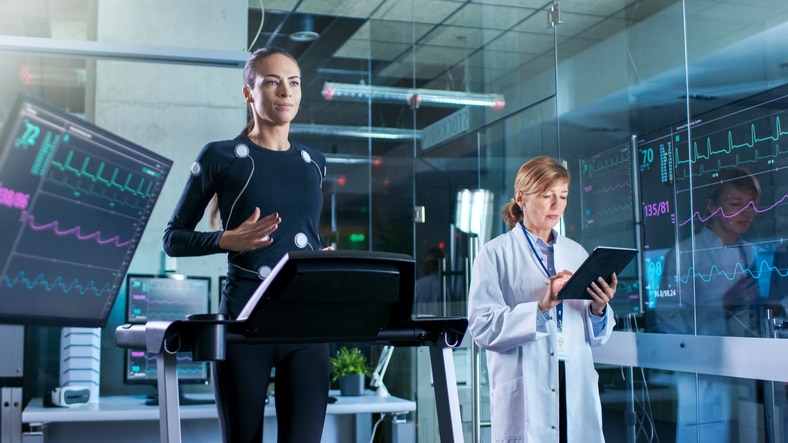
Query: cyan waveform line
178	357
75	231
166	315
613	188
181	370
58	282
754	139
111	183
738	269
749	206
153	373
737	162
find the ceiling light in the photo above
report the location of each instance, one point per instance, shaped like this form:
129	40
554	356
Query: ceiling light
306	32
355	131
412	97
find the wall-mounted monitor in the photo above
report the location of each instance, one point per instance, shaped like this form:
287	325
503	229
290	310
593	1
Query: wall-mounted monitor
74	202
165	297
606	205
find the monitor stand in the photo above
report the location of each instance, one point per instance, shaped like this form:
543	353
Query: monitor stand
153	400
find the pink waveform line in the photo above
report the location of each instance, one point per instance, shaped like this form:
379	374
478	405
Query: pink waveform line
77	231
719	211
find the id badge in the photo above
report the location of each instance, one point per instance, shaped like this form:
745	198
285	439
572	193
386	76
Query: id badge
563	346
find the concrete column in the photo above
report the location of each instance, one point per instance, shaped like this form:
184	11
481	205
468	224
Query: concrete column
168	108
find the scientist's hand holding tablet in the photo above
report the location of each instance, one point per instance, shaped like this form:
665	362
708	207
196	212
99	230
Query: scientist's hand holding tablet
596	279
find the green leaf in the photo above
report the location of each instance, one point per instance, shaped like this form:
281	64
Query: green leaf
348	361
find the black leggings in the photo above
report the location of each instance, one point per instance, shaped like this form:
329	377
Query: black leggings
241	382
301	388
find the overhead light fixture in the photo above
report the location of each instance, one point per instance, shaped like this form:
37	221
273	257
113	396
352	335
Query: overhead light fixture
355	131
412	97
306	30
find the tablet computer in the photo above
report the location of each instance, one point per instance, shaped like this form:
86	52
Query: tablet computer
603	262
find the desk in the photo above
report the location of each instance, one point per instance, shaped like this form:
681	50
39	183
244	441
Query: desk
126	419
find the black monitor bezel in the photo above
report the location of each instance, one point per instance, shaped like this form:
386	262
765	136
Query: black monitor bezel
67	120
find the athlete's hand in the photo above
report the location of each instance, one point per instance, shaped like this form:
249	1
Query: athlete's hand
252	234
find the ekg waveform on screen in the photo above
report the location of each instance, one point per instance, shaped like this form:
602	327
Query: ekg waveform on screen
74	201
679	169
749	136
142	366
606	181
750	206
51	284
77	232
759	269
716	145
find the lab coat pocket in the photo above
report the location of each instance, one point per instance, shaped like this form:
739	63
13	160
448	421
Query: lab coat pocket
507	411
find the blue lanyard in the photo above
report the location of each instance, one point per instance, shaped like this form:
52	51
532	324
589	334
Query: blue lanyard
531	244
559	310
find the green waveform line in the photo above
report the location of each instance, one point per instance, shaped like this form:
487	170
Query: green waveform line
111	183
754	139
737	162
620	162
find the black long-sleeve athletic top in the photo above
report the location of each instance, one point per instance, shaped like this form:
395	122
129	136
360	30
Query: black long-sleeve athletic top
244	176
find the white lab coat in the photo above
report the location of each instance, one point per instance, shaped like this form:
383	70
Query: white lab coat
507	281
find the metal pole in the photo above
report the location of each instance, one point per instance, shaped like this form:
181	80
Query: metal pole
169	407
447	399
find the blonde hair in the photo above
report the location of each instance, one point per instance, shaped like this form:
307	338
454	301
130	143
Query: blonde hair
537	175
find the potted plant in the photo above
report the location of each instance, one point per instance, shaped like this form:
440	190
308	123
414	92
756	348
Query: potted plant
350	367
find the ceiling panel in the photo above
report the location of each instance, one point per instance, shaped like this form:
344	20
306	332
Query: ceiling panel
393	31
574	23
600	29
523	43
599	8
429	55
637	11
342	8
419	11
375	50
273	5
537	21
501	61
488	16
460	37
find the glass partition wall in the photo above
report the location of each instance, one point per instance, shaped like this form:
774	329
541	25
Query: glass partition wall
698	126
669	115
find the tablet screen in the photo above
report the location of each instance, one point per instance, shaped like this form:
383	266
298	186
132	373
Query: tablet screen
602	262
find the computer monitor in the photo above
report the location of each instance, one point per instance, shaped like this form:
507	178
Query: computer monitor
74	201
165	297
